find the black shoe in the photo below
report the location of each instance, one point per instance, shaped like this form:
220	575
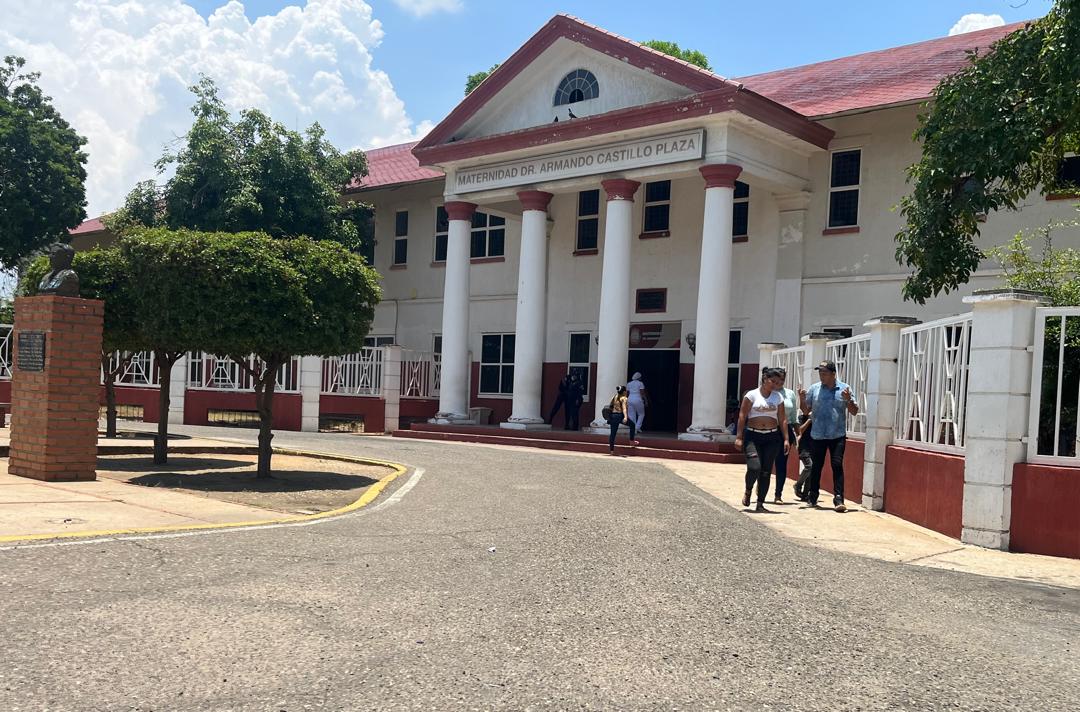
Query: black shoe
760	507
810	503
839	506
746	499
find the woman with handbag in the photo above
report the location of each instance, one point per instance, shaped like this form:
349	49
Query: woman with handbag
615	412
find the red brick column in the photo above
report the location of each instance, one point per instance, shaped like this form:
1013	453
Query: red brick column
54	412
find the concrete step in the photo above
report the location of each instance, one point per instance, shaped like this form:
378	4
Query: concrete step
653	449
667	443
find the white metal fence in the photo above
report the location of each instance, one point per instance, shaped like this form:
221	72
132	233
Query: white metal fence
1053	436
220	373
421	374
141	370
852	359
931	398
792	360
358	374
5	352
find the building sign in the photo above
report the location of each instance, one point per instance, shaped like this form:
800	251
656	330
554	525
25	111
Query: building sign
664	335
625	155
30	351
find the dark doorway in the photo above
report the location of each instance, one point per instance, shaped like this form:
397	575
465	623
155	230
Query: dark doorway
660	374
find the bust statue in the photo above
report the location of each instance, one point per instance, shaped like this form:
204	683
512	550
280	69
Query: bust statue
61	279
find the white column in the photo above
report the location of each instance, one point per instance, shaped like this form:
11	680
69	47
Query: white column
530	324
815	354
178	377
310	391
613	328
709	419
454	393
881	385
391	388
765	351
999	393
787	304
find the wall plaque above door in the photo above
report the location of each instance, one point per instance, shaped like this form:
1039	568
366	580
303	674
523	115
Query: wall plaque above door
624	155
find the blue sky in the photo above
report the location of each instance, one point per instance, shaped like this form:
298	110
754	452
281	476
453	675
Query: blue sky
429	57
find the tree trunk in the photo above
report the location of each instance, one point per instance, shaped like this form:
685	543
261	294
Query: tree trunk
165	363
264	401
110	405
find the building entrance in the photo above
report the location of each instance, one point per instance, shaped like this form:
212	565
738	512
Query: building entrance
660	374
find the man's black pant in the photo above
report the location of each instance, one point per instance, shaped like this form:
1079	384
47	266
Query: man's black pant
559	399
835	447
573	415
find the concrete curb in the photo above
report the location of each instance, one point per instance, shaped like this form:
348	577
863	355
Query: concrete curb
365	499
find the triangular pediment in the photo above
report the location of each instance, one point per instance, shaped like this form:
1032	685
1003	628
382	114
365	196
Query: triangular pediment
521	93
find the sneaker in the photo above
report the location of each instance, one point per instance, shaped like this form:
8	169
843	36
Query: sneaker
746	499
635	442
811	503
840	507
777	500
760	508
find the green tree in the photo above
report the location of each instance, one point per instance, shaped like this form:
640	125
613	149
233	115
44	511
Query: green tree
239	294
473	80
994	132
688	55
249	174
42	172
103	274
1052	271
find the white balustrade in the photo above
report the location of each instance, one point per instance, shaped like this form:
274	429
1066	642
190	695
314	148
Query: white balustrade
357	374
931	401
852	359
792	360
5	352
208	372
1053	435
140	371
421	374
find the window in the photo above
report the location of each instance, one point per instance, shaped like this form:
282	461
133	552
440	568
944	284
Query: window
442	230
488	235
740	216
401	237
657	207
844	188
576	86
650	300
579	358
840	332
588	224
436	344
734	368
1068	175
377	341
497	364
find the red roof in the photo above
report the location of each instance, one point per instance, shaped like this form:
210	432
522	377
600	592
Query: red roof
862	81
92	225
393	165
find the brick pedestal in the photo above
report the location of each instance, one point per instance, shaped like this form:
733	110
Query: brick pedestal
54	411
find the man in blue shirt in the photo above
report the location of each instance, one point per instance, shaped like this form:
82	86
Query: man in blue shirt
829	400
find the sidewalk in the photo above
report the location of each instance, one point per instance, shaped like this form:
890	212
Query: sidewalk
30	508
875	534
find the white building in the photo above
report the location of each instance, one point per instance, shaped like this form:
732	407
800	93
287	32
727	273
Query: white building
600	206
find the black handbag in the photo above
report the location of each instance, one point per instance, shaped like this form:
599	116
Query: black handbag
606	412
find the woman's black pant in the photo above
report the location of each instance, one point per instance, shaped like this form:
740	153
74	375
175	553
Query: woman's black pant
615	421
781	462
760	448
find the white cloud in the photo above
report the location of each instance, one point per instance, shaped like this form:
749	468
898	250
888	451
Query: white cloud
118	70
976	21
423	8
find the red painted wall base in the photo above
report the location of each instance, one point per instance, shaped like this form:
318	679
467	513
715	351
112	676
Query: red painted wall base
1045	500
926	488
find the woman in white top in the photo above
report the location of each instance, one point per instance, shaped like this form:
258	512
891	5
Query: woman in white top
636	401
761	434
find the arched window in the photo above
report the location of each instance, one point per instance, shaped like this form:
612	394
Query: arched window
576	86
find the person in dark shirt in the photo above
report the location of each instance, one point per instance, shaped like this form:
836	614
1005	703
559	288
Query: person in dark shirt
575	396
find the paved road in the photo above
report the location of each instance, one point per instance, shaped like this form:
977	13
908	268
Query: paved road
613	585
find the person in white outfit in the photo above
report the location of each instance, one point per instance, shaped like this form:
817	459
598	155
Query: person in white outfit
636	400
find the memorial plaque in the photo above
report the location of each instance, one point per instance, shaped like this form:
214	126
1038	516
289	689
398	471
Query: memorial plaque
31	351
